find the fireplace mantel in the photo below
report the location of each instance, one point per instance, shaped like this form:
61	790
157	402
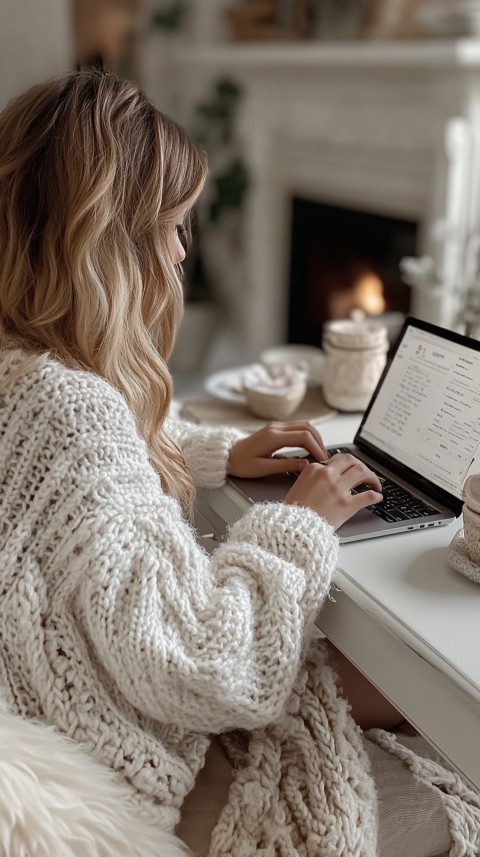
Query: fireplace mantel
431	54
391	128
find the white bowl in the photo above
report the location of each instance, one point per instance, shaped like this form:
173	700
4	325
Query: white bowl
275	405
306	357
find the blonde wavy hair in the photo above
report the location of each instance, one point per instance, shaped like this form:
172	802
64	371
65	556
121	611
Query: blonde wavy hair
93	180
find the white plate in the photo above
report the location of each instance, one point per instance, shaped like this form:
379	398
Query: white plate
227	385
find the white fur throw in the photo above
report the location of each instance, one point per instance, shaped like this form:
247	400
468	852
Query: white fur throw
56	801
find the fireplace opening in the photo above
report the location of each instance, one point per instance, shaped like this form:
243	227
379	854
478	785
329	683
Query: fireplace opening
345	264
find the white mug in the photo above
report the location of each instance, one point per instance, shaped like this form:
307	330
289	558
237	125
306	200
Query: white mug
471	517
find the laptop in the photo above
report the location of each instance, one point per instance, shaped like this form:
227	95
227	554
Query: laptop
420	433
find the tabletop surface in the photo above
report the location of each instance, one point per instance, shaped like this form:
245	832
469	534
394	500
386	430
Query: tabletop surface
412	589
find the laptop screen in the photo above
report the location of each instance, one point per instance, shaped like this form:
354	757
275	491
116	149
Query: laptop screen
425	412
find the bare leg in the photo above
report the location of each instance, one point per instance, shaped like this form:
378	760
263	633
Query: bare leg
368	707
202	807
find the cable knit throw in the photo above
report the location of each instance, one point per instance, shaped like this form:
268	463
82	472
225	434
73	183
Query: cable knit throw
120	631
302	786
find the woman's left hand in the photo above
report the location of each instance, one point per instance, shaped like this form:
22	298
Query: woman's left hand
251	457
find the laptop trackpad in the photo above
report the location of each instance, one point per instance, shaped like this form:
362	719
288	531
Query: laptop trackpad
362	525
268	488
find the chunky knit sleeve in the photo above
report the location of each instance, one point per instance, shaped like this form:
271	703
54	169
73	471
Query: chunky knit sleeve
210	643
206	450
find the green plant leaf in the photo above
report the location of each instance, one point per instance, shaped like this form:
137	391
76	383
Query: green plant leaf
230	188
171	19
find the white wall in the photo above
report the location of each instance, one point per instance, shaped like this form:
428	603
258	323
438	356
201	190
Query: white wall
35	43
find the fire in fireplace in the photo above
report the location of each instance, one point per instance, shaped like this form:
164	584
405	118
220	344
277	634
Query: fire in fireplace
345	264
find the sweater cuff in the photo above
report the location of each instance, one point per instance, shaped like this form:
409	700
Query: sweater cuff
206	452
297	535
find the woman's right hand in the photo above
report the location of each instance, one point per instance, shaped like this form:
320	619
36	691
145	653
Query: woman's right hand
327	488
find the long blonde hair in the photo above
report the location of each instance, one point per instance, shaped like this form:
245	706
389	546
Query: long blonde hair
92	177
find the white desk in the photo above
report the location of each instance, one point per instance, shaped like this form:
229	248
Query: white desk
407	620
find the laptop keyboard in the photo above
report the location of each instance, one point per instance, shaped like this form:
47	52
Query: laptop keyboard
397	504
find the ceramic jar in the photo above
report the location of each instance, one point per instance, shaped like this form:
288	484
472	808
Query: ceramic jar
471	517
356	355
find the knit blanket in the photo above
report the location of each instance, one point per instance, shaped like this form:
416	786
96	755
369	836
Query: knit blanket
303	786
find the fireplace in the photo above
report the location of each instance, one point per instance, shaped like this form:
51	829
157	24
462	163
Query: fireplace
390	129
345	263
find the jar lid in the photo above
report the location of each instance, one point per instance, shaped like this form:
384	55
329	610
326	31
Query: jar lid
347	333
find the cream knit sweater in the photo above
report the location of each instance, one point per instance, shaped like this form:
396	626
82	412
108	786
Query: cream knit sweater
116	626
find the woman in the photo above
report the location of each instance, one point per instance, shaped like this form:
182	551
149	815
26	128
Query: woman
117	628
